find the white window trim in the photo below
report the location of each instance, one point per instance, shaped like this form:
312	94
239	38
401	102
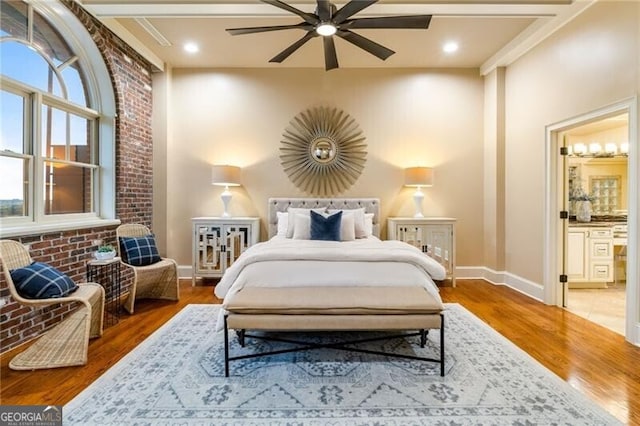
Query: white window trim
102	98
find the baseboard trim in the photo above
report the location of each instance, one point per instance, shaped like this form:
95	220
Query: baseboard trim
185	272
522	285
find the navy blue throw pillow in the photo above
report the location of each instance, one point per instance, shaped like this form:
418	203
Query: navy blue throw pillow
139	251
41	281
325	228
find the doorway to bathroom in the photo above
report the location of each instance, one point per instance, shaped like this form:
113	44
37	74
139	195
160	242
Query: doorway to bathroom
596	188
585	177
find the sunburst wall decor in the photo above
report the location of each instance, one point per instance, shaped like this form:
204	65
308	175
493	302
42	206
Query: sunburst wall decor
323	151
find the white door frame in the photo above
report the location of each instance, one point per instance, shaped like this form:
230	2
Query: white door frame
553	225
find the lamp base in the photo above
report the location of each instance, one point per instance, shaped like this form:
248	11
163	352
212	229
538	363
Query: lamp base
418	197
226	199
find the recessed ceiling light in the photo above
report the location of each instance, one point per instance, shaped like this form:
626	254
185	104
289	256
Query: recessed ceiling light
191	47
450	47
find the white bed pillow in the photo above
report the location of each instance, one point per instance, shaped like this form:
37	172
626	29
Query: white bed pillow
302	227
347	228
282	224
368	224
358	220
293	211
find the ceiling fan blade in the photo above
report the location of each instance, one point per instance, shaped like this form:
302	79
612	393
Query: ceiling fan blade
364	43
351	8
330	55
324	10
308	17
252	30
409	22
295	46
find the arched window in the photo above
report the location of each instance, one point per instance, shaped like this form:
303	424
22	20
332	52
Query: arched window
57	117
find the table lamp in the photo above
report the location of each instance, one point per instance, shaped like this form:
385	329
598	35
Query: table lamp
418	177
224	175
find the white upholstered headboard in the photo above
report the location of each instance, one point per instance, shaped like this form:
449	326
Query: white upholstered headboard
371	205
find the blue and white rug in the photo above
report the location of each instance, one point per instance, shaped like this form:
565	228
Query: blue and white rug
176	377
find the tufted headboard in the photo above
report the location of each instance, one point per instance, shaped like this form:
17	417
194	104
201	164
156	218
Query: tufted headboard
371	205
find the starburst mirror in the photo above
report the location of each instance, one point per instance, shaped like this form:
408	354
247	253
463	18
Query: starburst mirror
323	151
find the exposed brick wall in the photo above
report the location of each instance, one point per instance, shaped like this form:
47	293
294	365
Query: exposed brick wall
70	250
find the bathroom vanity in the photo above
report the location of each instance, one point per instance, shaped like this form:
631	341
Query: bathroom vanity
592	249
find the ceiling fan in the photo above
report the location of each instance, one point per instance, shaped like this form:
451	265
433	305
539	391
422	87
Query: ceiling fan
328	21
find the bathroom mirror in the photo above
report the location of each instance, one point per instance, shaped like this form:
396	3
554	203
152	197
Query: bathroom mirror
323	151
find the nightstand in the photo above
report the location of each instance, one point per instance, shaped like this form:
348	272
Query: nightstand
435	236
219	241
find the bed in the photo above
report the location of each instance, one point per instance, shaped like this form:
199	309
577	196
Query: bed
293	283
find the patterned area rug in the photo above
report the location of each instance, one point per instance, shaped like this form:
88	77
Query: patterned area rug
176	377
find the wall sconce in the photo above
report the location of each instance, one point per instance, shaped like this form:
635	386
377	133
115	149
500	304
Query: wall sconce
611	149
418	177
595	148
579	149
624	148
224	175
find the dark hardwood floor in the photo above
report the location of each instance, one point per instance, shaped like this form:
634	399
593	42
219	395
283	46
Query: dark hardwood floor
598	362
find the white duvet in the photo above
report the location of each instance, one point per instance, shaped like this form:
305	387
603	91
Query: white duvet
285	262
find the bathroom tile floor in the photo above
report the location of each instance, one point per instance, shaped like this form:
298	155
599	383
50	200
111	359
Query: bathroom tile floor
605	307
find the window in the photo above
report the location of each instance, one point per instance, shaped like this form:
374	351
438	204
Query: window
606	193
56	139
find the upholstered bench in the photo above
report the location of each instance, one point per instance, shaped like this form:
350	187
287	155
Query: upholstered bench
370	308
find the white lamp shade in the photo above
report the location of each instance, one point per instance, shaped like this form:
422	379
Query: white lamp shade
418	176
224	175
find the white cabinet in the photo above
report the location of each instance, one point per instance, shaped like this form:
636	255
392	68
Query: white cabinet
577	260
218	241
601	255
435	236
590	256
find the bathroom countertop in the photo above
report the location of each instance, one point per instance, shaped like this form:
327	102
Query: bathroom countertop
575	224
599	221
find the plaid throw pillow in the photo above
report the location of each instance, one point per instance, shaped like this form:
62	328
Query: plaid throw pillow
139	251
41	281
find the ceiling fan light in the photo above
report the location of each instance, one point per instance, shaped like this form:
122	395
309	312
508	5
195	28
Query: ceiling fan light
326	29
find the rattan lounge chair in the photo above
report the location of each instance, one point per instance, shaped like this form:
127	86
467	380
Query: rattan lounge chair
67	343
155	281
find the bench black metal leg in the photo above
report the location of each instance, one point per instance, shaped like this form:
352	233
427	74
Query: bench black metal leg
240	334
226	348
306	346
441	345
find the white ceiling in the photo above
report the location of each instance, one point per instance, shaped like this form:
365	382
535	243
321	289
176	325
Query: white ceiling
490	32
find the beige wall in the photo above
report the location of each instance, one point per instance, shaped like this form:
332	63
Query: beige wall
409	117
160	132
590	63
494	196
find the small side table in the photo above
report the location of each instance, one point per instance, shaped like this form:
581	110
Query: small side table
107	274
